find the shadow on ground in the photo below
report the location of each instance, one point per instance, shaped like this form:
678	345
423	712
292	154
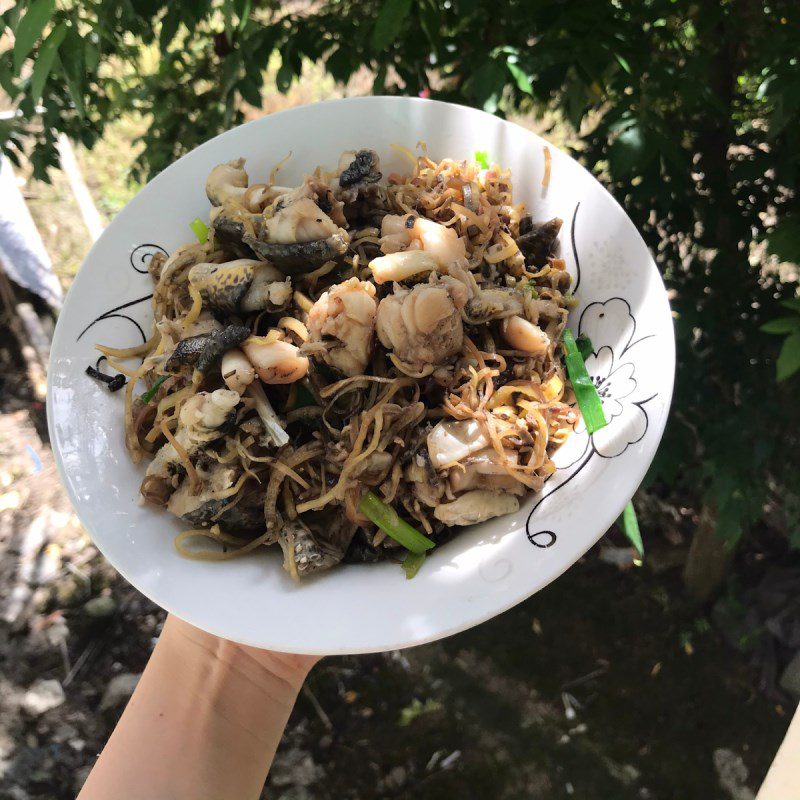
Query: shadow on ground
603	702
601	687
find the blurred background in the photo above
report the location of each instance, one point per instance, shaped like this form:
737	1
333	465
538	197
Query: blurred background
668	674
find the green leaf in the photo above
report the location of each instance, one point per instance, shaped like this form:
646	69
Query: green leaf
229	73
169	27
44	63
785	104
792	303
340	64
379	84
91	55
391	16
71	56
283	80
243	10
784	241
574	102
253	69
30	28
522	80
7	81
13	158
789	358
630	527
417	709
227	16
429	22
12	15
781	325
628	153
764	86
6	129
250	91
623	62
486	85
729	522
669	149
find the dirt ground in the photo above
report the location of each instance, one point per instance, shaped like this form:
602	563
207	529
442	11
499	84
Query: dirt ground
603	685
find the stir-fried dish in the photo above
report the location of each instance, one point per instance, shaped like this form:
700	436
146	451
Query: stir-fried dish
352	368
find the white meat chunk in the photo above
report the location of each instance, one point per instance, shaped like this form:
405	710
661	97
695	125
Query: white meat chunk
409	232
455	440
302	221
476	506
423	325
343	319
485	470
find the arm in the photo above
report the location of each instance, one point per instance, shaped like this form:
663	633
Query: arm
203	723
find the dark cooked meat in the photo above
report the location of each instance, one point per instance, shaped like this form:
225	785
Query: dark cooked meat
228	234
239	518
205	350
537	239
298	257
363	169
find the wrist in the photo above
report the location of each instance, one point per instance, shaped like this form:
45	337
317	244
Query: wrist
225	663
204	721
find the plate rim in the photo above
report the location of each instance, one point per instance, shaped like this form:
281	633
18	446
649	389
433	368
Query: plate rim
548	574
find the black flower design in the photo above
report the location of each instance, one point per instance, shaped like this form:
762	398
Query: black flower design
612	368
614	374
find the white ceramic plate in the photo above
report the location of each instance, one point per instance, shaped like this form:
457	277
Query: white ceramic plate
485	569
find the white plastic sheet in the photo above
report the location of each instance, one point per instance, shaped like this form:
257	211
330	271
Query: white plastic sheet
22	252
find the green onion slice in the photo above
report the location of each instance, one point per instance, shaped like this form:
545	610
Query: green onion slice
482	159
530	288
385	517
630	526
585	346
585	392
412	563
151	392
200	230
303	397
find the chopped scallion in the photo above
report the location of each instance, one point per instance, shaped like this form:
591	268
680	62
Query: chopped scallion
530	289
200	230
151	392
412	563
482	159
630	527
585	346
585	391
385	517
302	397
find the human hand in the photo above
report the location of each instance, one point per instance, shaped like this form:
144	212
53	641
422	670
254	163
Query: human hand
203	723
289	667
